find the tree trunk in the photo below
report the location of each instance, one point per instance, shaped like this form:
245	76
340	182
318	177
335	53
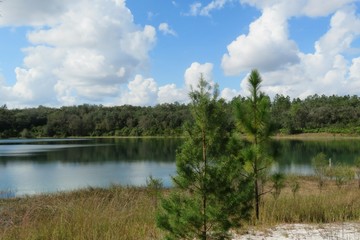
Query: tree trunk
204	232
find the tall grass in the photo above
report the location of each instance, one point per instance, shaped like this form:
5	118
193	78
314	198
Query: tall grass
129	213
310	205
115	213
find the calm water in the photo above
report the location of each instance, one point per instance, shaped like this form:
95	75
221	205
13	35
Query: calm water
49	165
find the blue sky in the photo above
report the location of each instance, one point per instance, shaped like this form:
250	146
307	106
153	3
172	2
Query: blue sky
146	52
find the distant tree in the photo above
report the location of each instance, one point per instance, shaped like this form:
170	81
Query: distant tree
253	117
7	121
280	113
209	196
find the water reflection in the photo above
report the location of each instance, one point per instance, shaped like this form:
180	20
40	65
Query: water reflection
294	156
29	167
48	165
91	150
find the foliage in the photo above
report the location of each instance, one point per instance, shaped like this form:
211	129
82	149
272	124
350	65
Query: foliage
253	117
209	196
332	114
91	120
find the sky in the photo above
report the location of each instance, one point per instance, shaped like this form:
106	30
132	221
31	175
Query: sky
147	52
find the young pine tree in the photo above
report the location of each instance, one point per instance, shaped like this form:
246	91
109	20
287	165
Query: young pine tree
209	196
253	116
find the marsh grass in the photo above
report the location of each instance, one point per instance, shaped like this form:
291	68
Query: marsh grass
129	213
310	205
114	213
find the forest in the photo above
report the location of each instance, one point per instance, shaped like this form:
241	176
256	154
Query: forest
331	114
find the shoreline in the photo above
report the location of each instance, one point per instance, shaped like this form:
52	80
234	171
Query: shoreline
317	136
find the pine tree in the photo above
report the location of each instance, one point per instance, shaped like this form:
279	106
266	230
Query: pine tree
253	117
209	196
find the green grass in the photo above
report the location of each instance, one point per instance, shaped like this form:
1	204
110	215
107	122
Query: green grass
129	212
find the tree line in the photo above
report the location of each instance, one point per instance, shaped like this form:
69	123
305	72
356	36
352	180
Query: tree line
332	114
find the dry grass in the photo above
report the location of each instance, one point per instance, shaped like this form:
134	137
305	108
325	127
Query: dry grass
115	213
312	205
129	213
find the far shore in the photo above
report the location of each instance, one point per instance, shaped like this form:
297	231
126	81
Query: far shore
317	136
300	136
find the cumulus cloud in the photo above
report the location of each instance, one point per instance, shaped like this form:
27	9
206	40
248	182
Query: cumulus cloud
285	69
35	12
171	93
80	51
195	71
141	91
355	69
166	30
310	8
228	94
266	47
144	91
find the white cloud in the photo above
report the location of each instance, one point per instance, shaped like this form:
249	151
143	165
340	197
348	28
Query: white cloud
285	69
35	12
213	5
228	94
197	8
83	52
170	93
315	8
194	72
141	91
310	8
166	30
355	69
266	47
194	9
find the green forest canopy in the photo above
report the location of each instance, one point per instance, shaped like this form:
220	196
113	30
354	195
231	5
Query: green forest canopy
333	114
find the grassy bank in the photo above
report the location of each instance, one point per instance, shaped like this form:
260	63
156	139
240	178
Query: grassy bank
312	205
114	213
129	213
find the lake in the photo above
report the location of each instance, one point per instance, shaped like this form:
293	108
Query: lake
49	165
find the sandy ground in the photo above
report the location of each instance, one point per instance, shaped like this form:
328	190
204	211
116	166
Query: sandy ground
338	231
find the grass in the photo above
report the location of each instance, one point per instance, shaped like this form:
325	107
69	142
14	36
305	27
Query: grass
312	205
114	213
129	212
